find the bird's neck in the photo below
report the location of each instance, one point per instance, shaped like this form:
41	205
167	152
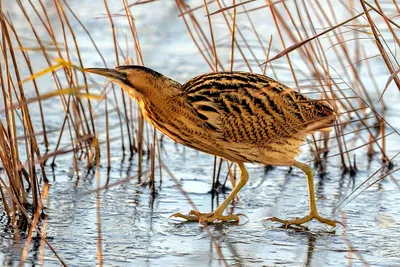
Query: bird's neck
160	111
147	93
156	100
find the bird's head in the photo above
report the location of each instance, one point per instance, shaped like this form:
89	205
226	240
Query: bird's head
139	82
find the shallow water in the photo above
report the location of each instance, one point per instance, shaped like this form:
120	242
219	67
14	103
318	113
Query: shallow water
135	226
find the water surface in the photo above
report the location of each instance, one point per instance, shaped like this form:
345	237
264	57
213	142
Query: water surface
135	225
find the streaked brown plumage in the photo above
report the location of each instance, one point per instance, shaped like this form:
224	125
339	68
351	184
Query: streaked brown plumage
239	116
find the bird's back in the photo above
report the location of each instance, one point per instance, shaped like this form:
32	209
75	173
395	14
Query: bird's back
251	109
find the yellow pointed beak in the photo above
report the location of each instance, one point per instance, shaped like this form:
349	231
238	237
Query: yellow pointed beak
112	74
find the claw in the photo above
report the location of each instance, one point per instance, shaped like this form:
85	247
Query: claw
206	217
307	218
186	217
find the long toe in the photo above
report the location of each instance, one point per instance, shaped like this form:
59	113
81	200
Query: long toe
211	217
299	221
186	217
216	217
326	221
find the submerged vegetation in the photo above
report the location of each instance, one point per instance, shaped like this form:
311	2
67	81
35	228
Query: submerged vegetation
332	50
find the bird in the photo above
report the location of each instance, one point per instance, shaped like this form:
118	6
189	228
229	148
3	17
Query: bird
242	117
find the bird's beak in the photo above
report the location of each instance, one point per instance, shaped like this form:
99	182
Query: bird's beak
111	74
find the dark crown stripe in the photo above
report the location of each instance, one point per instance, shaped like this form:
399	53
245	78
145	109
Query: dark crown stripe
141	68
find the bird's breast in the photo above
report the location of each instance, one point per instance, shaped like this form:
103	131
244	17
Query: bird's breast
175	122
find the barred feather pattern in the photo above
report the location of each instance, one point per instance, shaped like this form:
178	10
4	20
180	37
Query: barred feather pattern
243	117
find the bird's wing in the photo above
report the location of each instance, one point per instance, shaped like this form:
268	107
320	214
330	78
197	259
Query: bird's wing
252	108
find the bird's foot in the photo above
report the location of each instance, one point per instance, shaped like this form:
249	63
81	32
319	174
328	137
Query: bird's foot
211	217
299	221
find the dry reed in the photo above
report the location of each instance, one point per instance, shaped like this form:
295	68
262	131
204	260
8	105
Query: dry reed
297	42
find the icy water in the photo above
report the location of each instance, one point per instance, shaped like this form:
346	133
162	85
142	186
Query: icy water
135	225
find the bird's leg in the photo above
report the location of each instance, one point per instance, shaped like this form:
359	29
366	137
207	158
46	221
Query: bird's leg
313	214
217	214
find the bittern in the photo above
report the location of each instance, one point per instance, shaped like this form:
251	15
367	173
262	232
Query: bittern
239	116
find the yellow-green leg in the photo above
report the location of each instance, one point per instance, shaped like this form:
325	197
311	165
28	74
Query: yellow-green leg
217	214
313	214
